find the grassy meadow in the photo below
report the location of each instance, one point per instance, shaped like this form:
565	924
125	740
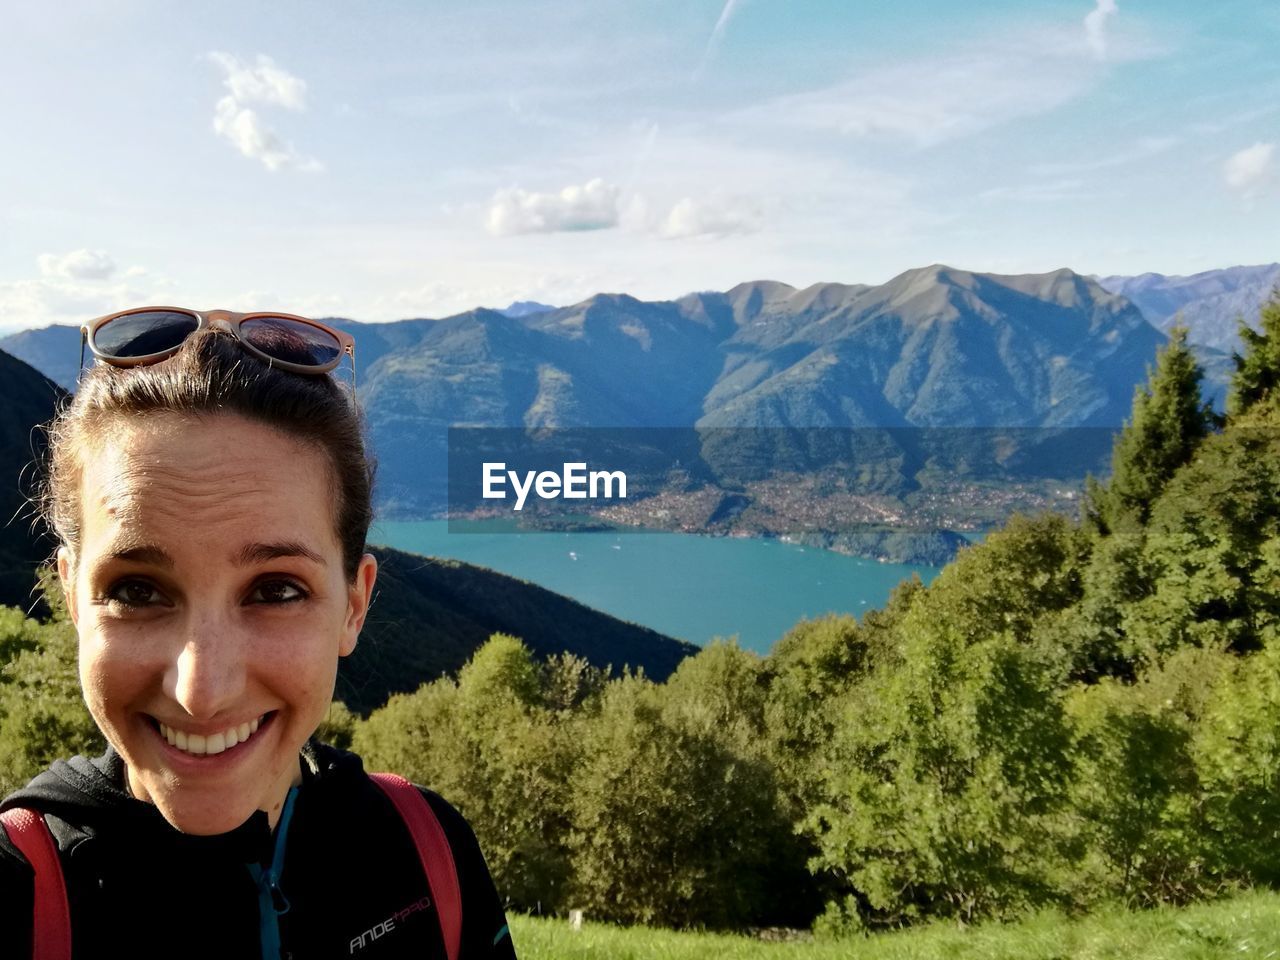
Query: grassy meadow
1244	926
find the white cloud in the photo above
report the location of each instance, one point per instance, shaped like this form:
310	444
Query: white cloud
61	298
935	99
1095	26
244	129
691	218
737	179
592	206
636	214
265	82
599	205
308	305
77	265
1250	169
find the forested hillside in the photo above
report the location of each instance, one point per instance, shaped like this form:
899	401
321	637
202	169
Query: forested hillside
431	614
27	400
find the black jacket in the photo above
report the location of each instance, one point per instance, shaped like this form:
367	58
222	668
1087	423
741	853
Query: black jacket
140	888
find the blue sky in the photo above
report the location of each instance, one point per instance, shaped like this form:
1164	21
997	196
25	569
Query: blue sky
390	160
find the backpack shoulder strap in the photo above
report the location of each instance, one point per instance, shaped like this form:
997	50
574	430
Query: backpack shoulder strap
51	923
433	851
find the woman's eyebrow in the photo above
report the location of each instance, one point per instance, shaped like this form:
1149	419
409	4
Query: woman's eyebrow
144	553
253	553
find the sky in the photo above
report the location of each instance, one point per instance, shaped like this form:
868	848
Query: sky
386	160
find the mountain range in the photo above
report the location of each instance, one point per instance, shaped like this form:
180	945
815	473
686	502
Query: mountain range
1209	304
933	347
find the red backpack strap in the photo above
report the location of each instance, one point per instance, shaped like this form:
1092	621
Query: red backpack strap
51	923
433	851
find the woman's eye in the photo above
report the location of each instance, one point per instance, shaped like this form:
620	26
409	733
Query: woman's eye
276	591
135	593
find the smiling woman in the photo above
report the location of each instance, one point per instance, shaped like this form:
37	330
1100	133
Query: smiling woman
202	614
212	512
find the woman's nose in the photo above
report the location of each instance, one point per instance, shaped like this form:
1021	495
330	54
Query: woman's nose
208	674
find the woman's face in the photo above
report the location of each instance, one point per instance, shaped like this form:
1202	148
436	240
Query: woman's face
212	608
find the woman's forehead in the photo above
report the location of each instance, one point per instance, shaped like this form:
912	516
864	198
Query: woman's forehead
223	477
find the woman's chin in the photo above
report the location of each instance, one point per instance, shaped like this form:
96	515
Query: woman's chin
203	819
194	807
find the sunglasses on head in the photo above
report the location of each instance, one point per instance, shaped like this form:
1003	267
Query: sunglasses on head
145	335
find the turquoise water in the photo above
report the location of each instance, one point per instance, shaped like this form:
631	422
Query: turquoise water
687	586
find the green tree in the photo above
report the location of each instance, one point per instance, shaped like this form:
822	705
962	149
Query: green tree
419	736
945	769
1237	754
1254	387
1205	551
489	744
1168	421
1092	634
18	634
676	814
570	683
815	661
43	716
1134	809
338	728
942	783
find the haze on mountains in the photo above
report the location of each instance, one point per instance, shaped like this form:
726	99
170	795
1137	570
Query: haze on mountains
1209	304
933	347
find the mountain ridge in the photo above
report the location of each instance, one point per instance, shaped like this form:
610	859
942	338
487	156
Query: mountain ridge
1209	303
934	346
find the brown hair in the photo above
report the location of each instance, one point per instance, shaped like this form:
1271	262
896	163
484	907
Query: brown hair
212	374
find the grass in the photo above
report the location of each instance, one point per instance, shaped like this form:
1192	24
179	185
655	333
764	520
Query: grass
1245	926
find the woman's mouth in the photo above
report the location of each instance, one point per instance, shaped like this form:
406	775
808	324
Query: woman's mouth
202	745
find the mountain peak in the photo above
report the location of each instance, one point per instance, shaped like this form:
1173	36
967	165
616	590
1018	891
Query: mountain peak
750	299
525	308
610	300
926	288
773	289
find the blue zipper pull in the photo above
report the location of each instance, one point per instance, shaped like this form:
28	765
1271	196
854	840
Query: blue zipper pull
272	903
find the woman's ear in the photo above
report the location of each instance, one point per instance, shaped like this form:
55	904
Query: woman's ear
67	577
359	596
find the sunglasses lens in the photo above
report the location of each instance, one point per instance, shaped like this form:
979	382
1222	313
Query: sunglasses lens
292	341
143	334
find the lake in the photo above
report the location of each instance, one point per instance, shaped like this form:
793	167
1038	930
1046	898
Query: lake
688	586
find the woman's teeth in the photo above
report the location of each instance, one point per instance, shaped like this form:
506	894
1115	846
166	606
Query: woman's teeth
215	742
